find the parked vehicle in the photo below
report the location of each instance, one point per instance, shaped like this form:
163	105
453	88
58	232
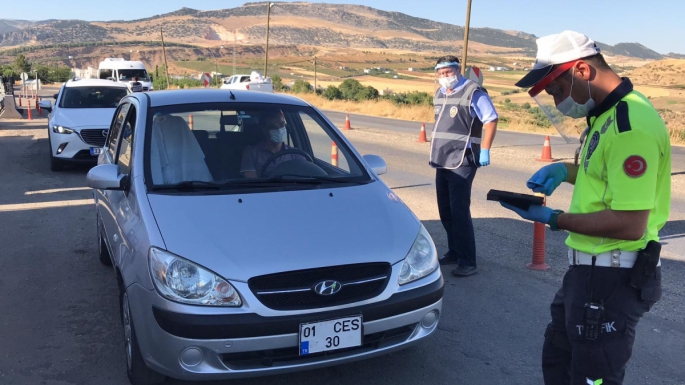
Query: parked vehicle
253	82
314	262
79	121
124	71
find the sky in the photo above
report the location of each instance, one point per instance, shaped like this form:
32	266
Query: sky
608	21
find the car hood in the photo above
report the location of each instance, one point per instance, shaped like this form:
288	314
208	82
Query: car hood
84	117
241	236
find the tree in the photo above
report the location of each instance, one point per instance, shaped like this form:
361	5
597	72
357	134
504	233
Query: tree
21	64
350	88
367	93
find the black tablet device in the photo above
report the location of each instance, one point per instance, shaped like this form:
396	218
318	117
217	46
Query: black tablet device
522	201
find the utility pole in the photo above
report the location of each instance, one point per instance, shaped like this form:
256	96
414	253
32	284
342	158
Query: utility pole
166	66
466	37
234	39
314	74
266	53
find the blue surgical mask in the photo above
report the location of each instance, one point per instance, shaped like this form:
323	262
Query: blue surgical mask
279	135
573	109
449	82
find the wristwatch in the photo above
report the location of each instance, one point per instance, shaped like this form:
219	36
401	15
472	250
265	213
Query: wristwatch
553	220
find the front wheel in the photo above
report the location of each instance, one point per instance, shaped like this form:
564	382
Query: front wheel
138	372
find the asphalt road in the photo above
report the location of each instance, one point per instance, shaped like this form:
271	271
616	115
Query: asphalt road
60	320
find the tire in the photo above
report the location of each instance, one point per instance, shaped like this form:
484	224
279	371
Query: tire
103	252
138	372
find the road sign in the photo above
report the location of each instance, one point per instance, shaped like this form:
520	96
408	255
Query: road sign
206	79
24	76
475	74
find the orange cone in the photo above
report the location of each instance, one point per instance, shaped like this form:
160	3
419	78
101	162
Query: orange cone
347	122
334	154
546	152
538	262
29	108
422	134
190	121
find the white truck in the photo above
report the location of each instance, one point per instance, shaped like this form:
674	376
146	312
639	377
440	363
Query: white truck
252	82
123	71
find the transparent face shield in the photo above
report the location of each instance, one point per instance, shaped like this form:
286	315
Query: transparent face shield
572	130
456	70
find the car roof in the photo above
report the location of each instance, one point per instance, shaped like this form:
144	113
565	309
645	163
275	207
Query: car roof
94	82
175	97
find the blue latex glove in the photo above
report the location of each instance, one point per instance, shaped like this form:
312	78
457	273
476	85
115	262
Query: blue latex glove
484	157
548	178
534	213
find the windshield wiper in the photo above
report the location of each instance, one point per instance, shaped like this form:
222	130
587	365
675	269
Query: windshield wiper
312	179
191	185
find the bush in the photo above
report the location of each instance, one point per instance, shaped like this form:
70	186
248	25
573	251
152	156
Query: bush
350	88
332	93
526	106
367	93
507	101
302	87
278	83
414	98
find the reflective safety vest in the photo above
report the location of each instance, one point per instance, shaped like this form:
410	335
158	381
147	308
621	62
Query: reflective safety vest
453	128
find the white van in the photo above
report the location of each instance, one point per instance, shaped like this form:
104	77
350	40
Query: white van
124	71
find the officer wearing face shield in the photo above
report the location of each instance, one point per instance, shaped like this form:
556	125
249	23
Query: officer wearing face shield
621	199
464	129
274	134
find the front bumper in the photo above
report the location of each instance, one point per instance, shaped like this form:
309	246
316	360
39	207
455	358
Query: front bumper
74	149
224	346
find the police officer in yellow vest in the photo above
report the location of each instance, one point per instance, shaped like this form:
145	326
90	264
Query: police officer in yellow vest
620	201
465	126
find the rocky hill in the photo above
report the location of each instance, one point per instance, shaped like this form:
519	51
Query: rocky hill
297	23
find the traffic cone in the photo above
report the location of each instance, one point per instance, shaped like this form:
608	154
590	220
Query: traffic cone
347	122
334	154
546	152
190	121
538	262
29	108
422	134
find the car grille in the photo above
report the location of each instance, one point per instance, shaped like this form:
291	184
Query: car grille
94	137
291	356
294	290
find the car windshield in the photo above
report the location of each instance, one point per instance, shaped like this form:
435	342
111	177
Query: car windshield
92	97
226	146
129	74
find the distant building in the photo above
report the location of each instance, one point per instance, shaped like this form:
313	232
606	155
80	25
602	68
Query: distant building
88	73
367	71
410	69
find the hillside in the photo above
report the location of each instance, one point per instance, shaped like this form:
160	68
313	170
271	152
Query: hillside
666	73
297	23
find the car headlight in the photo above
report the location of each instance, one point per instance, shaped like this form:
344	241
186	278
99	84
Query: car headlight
183	281
421	260
57	129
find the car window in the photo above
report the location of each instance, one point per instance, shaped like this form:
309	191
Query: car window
129	74
113	137
229	142
105	73
92	97
244	79
125	142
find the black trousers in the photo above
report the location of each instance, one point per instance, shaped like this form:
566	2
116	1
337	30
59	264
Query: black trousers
453	188
567	356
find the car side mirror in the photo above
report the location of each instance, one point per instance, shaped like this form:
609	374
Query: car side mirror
376	163
45	105
55	96
106	177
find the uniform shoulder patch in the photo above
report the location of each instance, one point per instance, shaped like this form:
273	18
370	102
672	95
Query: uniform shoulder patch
635	166
622	118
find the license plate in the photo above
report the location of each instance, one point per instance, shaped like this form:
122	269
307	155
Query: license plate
330	335
95	150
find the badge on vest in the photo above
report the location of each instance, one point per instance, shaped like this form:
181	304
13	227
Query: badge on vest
453	111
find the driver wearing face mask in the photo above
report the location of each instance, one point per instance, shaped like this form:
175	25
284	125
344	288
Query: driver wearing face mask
621	199
274	134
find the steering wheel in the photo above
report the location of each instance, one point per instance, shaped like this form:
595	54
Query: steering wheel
284	152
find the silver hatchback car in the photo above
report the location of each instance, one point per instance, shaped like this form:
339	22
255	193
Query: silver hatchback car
248	237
